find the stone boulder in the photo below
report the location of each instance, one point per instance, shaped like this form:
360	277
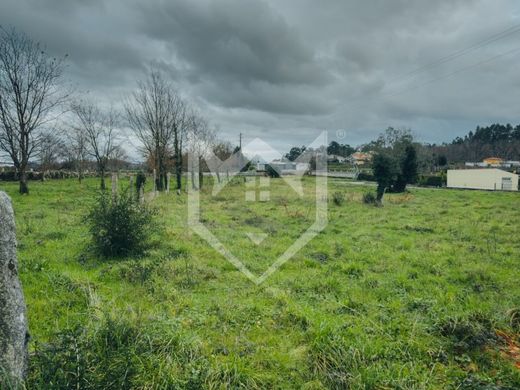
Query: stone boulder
13	319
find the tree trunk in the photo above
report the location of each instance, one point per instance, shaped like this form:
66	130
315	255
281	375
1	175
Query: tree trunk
80	175
201	174
102	184
178	159
159	183
193	186
13	320
24	188
178	174
380	193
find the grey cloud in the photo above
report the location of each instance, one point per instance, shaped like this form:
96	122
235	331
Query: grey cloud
288	69
244	40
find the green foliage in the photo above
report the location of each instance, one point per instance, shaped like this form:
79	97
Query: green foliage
442	160
408	169
369	198
294	153
392	139
364	176
514	319
117	354
432	180
503	140
332	360
119	224
338	149
338	198
385	172
271	172
467	334
395	164
383	298
139	271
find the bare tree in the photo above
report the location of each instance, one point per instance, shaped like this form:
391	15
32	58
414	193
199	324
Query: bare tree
77	150
101	136
200	140
222	151
30	94
51	149
159	118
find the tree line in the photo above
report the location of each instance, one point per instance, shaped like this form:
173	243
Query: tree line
496	140
42	118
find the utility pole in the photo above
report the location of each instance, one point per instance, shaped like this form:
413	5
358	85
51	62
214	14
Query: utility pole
240	142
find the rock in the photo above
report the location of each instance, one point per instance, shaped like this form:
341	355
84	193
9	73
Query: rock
13	319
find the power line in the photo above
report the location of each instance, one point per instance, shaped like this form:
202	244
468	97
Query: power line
459	53
496	37
491	59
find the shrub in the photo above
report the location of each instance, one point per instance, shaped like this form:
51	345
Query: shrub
432	181
119	224
385	170
338	198
363	176
369	198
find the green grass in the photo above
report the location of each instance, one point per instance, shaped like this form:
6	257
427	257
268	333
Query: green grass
406	296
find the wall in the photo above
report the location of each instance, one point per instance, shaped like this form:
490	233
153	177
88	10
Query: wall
481	179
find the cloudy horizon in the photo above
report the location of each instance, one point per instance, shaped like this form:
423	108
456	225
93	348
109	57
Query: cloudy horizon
285	71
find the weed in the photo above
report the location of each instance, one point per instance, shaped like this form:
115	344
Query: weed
468	333
138	271
331	360
369	198
118	354
338	198
321	257
514	319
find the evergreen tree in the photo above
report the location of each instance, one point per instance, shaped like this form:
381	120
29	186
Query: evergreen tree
385	172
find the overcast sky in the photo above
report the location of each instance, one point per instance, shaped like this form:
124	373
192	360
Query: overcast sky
283	70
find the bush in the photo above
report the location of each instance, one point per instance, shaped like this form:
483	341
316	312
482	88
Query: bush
432	181
338	198
363	176
120	225
369	198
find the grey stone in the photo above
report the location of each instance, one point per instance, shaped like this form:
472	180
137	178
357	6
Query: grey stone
13	318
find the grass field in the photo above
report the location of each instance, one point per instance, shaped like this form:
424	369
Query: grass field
422	293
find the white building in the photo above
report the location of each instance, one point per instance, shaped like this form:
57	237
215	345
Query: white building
289	166
483	179
335	157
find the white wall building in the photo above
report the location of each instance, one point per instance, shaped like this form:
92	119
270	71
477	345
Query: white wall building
483	179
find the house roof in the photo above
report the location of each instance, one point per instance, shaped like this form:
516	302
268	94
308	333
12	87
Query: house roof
483	170
497	159
361	156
